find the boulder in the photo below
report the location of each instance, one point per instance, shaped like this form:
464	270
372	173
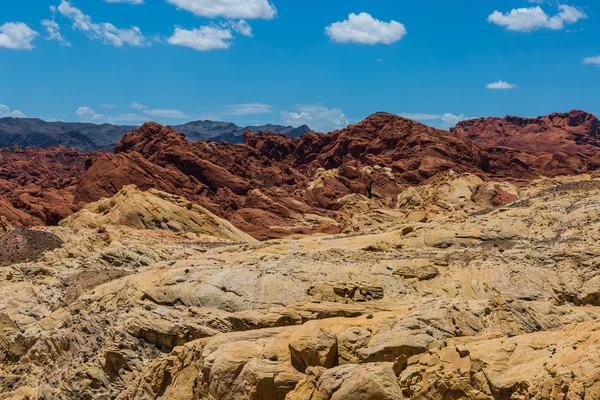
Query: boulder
313	348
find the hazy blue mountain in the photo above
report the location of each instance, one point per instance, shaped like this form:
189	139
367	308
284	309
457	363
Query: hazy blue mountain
33	132
230	132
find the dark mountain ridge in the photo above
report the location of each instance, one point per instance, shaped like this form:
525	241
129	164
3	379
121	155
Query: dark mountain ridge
34	132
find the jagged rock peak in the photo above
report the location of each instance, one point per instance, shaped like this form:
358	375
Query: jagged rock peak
148	135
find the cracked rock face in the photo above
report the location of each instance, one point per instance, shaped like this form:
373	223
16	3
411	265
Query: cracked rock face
470	301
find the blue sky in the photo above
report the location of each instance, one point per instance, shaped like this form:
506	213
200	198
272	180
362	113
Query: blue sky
323	63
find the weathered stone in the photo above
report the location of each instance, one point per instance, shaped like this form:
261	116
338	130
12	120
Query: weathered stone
421	273
313	348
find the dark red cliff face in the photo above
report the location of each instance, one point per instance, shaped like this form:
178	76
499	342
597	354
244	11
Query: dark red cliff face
37	185
268	184
557	144
573	132
412	150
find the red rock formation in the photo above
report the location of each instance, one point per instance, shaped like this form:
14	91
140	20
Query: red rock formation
221	177
270	183
557	144
414	151
37	185
573	132
273	185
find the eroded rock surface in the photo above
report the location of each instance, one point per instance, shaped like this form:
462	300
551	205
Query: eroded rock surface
434	278
274	186
154	209
477	303
37	186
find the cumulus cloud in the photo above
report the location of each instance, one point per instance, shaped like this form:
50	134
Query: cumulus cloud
235	9
363	28
442	121
202	39
533	18
5	112
248	109
210	37
316	117
53	31
592	61
17	35
501	85
173	114
87	114
451	119
106	32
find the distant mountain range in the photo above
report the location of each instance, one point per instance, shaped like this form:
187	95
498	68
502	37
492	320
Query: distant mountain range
33	132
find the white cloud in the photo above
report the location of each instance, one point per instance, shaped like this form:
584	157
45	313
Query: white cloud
53	31
87	114
442	121
17	35
241	27
205	38
530	19
451	119
5	112
236	9
137	106
210	37
136	2
174	114
365	29
107	32
316	117
501	85
248	109
592	61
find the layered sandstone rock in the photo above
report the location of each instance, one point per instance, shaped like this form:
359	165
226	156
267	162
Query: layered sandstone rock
154	209
493	303
561	364
462	286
